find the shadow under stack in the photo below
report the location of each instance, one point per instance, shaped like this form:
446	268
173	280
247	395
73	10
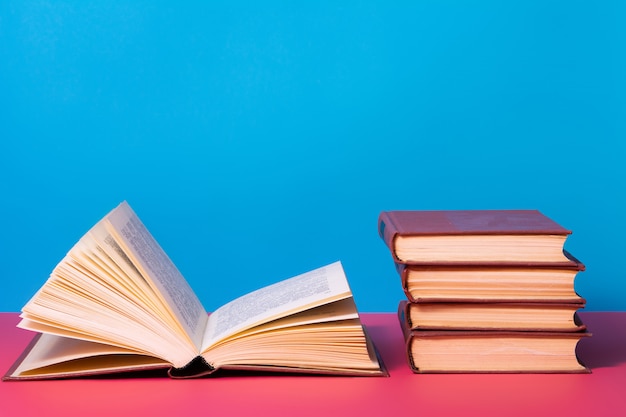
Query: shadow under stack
486	291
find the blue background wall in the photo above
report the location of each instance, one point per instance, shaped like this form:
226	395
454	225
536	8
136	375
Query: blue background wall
258	140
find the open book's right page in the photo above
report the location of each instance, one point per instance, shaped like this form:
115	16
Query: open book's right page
311	289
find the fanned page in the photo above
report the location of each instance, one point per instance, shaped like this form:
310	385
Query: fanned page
117	287
156	266
303	292
56	356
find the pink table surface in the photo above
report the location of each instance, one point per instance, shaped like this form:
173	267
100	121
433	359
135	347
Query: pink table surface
601	393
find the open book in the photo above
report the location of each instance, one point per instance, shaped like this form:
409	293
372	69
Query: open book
117	303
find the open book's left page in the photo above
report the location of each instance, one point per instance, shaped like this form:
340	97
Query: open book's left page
112	288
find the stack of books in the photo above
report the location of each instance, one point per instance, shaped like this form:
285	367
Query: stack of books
486	291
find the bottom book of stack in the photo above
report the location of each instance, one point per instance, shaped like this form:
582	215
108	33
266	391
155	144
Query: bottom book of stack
491	350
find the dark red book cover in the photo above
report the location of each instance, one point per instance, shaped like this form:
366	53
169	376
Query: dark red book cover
457	222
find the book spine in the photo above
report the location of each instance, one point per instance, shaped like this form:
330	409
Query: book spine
387	230
407	334
195	368
403	272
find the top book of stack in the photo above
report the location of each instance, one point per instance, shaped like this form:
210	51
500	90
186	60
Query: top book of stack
498	237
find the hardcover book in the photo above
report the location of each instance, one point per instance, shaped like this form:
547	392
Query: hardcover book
480	283
117	303
473	236
513	316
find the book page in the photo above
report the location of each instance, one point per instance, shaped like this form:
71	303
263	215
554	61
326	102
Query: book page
51	349
60	356
157	268
284	298
325	314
